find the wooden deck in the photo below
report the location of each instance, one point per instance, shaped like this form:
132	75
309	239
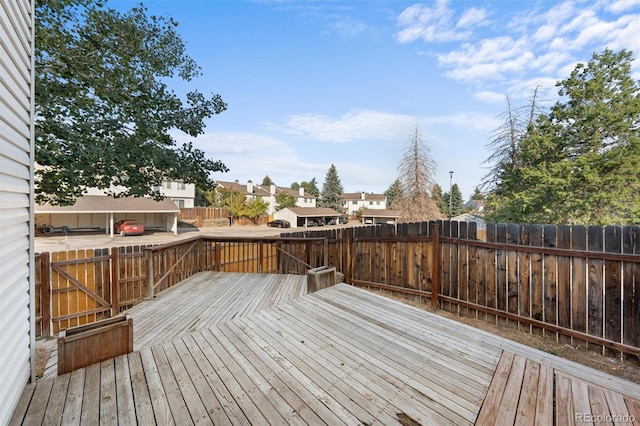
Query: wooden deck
339	356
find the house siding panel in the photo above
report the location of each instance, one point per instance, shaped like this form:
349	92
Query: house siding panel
16	206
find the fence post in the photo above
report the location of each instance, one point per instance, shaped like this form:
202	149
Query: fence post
148	254
45	293
347	266
435	268
115	281
260	256
326	252
216	257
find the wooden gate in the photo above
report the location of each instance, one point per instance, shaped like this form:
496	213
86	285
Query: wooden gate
80	287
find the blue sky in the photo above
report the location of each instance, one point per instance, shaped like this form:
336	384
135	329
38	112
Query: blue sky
314	83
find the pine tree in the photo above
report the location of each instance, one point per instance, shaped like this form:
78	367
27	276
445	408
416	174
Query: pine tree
332	191
267	182
392	192
311	187
416	171
579	163
439	198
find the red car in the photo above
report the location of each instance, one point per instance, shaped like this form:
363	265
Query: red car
129	227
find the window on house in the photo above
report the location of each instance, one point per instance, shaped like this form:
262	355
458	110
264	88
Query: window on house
179	203
166	184
377	203
180	185
370	203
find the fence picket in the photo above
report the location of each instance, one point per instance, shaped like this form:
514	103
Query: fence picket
613	286
536	239
631	290
550	278
595	305
513	237
579	284
564	281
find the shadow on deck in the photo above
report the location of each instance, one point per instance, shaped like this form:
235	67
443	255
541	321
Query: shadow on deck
228	348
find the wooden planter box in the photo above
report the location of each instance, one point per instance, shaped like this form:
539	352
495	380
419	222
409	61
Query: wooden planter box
92	343
319	278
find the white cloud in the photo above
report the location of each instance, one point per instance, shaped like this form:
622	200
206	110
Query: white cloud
472	17
534	44
490	97
619	6
351	127
346	26
429	23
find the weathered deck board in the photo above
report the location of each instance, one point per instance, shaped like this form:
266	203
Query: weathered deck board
207	299
242	353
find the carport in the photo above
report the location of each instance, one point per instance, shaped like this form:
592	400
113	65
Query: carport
378	216
303	215
97	213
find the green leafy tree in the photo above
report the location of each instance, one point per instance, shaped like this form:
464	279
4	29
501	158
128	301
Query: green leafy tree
416	171
581	161
311	187
284	200
235	203
295	185
255	208
238	205
267	182
332	191
392	192
103	110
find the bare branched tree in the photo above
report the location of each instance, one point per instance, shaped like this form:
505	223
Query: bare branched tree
505	140
416	170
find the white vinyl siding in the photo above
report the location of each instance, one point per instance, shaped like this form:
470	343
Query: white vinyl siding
16	205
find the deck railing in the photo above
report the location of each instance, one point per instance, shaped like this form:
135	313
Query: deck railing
82	286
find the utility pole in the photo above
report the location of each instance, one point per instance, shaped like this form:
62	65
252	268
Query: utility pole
450	192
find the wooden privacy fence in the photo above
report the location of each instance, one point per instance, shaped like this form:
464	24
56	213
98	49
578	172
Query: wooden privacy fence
206	213
580	284
82	286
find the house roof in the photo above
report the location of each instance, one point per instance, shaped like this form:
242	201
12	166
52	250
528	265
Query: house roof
367	196
242	188
260	190
106	204
380	213
313	211
294	192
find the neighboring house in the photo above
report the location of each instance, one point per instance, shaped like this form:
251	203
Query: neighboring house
473	206
17	286
355	201
375	216
252	191
182	194
302	216
469	217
